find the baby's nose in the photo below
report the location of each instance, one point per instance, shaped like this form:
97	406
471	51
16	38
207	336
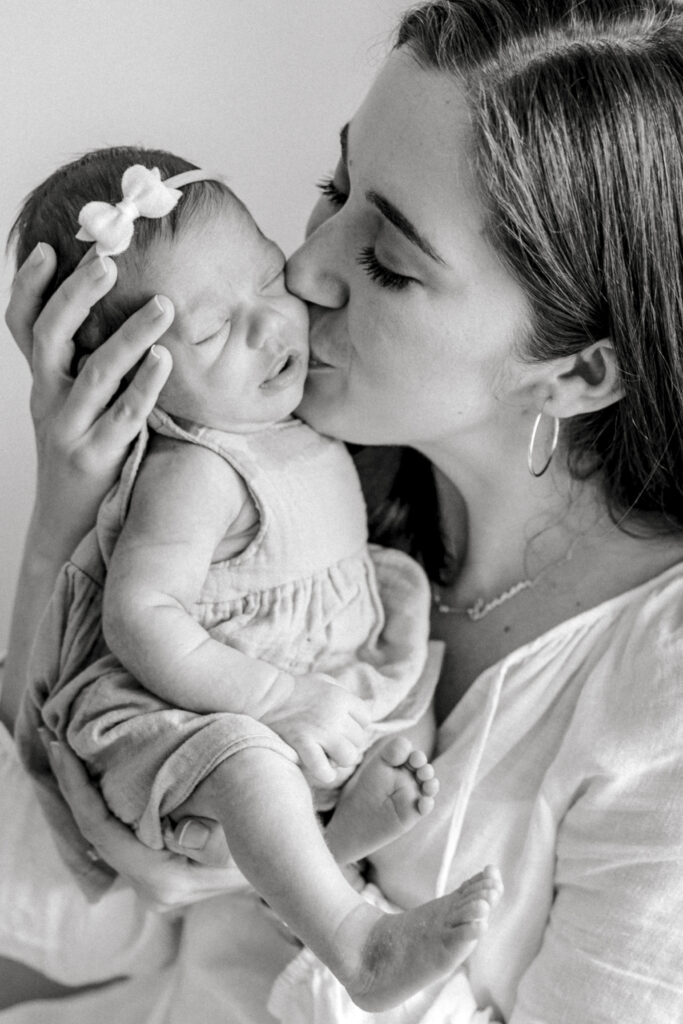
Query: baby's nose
265	328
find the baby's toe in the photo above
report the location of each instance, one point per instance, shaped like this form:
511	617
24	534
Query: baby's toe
430	787
396	752
425	805
417	759
475	910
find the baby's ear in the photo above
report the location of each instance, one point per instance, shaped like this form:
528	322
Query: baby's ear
586	382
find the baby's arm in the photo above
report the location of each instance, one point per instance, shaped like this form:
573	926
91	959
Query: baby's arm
184	503
185	500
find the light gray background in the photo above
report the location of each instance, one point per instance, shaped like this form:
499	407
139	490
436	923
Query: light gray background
256	89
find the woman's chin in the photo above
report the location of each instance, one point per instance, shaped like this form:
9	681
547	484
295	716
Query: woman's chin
316	407
332	409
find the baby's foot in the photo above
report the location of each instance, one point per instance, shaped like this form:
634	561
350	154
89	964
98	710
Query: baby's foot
401	953
392	789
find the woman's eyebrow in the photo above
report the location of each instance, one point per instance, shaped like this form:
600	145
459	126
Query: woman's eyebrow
406	227
391	212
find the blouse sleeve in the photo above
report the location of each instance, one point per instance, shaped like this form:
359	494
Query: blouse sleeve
612	950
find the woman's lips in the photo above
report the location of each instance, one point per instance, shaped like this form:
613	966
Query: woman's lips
317	361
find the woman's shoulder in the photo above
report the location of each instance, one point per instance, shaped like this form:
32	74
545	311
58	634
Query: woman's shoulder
631	708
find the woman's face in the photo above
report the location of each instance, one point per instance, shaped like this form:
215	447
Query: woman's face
413	317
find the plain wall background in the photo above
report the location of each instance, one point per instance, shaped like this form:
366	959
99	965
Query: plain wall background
256	89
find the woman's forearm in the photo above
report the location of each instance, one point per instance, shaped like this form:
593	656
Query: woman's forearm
43	557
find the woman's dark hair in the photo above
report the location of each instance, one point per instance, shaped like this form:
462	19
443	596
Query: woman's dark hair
50	214
577	141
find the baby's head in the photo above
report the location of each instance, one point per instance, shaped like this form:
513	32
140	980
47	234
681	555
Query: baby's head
238	339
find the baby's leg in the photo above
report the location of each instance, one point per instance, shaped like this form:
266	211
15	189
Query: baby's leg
392	789
265	807
390	792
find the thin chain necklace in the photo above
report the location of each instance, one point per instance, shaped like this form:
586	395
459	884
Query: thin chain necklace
480	608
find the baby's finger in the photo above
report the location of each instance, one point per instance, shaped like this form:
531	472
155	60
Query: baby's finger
343	752
63	314
314	762
353	732
360	712
26	296
105	369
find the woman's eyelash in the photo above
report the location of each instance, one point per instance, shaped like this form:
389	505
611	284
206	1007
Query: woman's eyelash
379	273
331	192
366	258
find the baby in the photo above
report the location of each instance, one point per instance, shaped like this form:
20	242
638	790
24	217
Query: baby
229	574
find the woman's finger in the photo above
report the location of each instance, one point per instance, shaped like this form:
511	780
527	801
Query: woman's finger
201	840
161	877
87	806
26	296
104	370
63	314
123	421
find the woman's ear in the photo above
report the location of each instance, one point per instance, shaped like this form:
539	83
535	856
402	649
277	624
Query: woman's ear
585	382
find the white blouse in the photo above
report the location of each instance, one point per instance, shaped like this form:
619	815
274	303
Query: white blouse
563	765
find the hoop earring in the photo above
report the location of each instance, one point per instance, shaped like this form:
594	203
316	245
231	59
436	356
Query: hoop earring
532	441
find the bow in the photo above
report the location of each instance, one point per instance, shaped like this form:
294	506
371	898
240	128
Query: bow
111	227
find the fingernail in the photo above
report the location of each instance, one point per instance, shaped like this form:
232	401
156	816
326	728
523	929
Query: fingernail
99	268
55	751
193	835
154	352
37	256
158	308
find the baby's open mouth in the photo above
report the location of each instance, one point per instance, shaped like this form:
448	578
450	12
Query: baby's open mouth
286	367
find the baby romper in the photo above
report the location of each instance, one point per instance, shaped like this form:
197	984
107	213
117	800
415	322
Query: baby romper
307	594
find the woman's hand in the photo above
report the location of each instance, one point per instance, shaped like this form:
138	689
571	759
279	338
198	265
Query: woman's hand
82	436
169	880
82	432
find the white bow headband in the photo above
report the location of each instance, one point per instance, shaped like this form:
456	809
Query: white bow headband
144	195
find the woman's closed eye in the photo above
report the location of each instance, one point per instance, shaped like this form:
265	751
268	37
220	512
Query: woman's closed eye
382	275
332	192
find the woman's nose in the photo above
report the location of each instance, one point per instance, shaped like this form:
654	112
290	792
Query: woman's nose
316	271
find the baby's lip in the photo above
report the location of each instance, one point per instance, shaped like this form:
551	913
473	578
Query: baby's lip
278	365
285	369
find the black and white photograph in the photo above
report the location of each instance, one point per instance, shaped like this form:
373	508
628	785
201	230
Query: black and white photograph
341	634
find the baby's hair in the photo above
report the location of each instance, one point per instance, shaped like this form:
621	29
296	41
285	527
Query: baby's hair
50	214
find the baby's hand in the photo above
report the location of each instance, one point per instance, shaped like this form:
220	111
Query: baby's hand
324	723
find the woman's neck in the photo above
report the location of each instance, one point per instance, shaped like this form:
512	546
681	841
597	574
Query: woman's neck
551	531
554	528
515	524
